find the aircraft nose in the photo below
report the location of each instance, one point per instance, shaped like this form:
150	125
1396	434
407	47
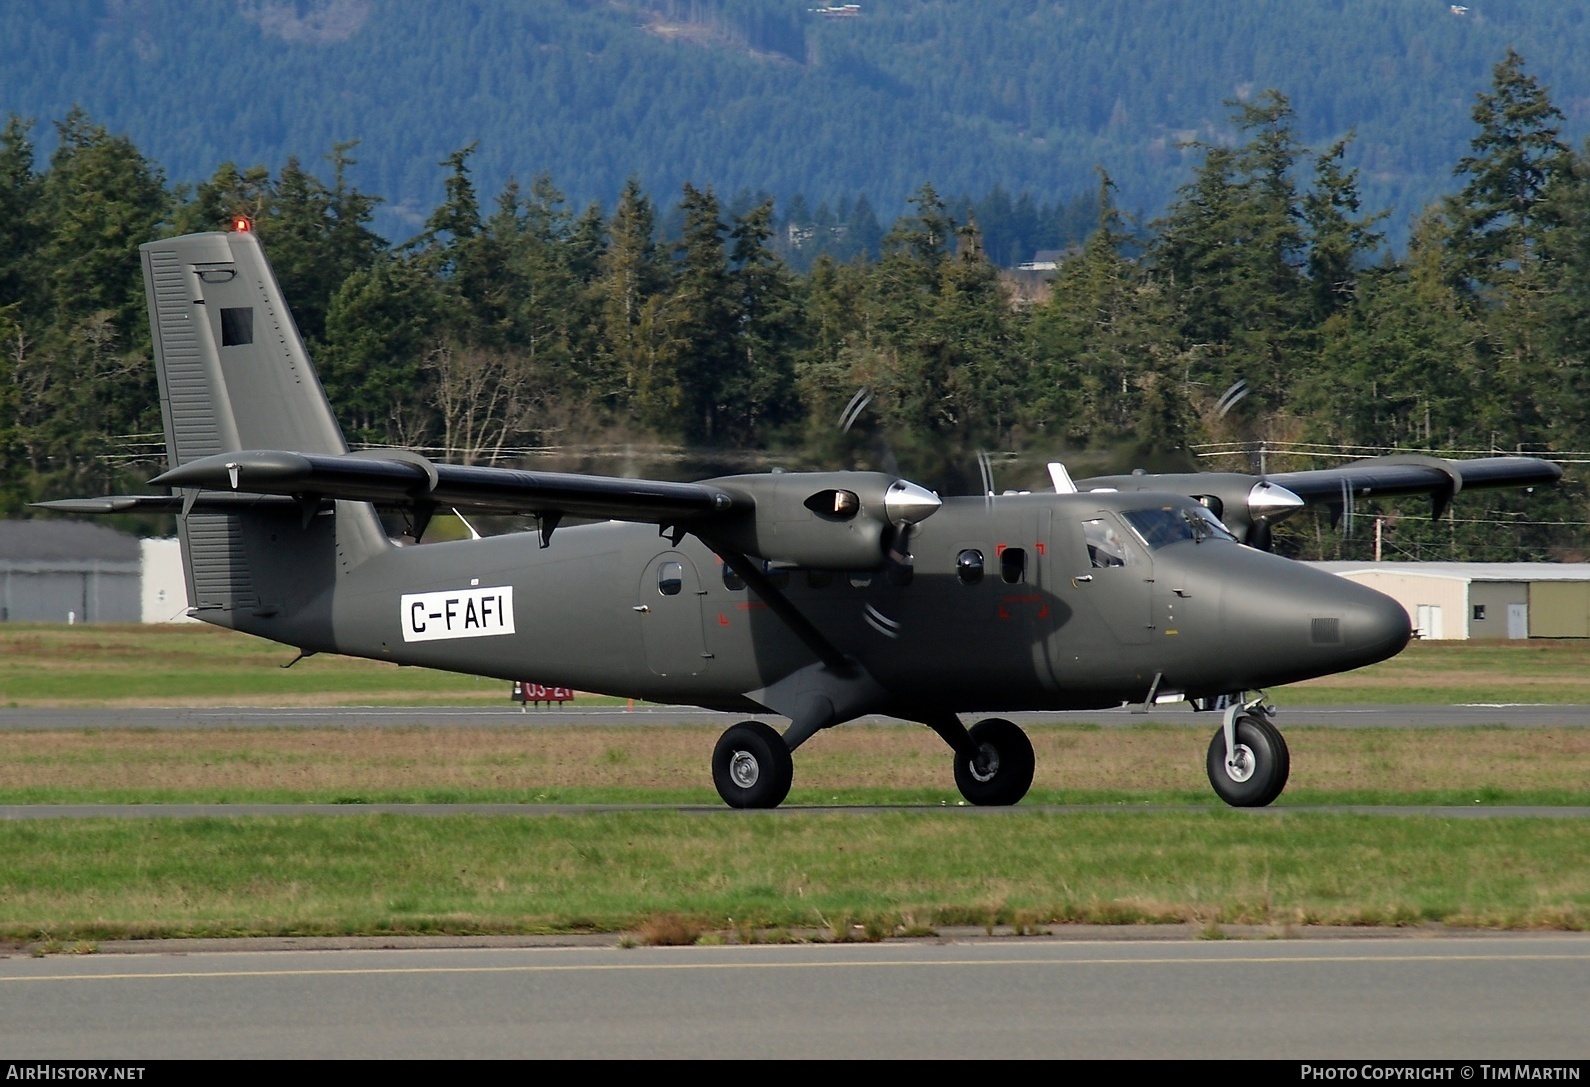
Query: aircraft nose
1292	621
1376	625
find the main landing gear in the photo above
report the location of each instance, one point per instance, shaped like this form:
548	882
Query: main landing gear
1248	761
752	768
999	771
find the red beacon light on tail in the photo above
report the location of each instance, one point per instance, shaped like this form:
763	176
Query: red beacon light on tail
242	224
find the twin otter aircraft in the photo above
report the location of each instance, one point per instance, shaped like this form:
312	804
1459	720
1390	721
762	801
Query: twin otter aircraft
818	596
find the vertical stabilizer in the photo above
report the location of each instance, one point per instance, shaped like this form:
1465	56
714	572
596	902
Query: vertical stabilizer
233	370
234	375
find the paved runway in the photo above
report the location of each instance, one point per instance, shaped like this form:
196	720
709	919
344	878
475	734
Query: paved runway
1513	715
1446	998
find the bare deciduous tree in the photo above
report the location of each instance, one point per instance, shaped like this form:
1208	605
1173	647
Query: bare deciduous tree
486	399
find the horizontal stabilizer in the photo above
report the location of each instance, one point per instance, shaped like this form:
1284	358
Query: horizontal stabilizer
163	503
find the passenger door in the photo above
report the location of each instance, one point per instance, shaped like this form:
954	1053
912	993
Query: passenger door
669	608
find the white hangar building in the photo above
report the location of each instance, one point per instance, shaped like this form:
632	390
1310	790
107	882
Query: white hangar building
1482	600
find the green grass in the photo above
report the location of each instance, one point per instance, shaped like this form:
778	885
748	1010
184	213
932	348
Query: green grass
856	764
96	879
92	664
45	664
705	796
1448	673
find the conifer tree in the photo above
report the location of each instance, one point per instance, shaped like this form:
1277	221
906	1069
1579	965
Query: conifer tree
698	331
1498	217
768	331
1104	338
1340	238
1232	250
21	230
629	289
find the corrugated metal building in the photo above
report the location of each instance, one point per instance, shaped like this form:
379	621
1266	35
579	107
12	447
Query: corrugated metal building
1482	600
68	572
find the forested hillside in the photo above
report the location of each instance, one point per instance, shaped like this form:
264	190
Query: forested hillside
768	95
514	322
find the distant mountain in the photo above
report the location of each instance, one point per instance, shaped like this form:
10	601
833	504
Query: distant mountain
778	96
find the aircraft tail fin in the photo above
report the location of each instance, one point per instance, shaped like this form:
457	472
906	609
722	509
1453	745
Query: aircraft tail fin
233	370
234	374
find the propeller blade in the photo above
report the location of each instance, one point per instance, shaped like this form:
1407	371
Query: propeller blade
1259	535
853	410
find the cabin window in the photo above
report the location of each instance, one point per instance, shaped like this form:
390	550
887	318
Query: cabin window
861	580
969	566
1012	564
237	326
1107	547
670	578
731	580
778	575
819	579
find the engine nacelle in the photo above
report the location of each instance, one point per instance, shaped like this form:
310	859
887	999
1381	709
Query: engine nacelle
1246	505
822	520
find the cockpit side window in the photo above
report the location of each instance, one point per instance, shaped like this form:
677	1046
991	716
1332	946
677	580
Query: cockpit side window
1107	546
1172	524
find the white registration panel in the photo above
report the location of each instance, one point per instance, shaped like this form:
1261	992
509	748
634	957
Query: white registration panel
457	613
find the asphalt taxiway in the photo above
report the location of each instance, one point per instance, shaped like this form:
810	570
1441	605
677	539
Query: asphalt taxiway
1450	998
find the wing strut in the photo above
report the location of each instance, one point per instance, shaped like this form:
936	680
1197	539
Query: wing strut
779	604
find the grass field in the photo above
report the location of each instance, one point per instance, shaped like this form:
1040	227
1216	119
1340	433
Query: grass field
856	764
196	665
759	875
672	876
192	665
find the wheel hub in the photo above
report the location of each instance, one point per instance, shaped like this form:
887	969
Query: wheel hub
1241	764
985	764
744	769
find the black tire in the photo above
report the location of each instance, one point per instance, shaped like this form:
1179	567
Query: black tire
1272	764
751	766
1012	769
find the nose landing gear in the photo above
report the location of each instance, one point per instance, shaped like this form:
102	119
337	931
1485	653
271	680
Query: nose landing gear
1248	760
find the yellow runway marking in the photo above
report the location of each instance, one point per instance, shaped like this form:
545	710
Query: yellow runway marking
566	968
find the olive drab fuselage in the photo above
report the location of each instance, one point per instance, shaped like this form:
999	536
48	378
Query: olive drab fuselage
1002	606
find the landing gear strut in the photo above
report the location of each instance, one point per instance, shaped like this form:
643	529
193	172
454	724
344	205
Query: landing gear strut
751	766
1248	761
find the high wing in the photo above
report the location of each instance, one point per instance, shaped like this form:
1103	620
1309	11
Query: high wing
402	478
757	514
1410	473
1250	505
406	480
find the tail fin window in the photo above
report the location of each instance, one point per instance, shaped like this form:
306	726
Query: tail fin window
237	326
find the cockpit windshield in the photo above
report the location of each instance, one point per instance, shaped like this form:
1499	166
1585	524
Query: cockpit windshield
1172	524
